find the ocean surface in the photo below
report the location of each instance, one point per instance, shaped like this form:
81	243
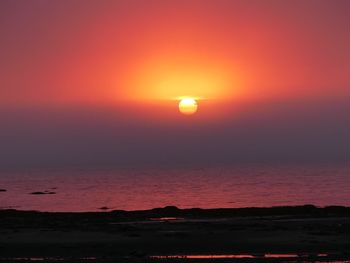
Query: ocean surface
112	189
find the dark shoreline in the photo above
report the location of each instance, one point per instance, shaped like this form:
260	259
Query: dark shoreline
136	236
303	210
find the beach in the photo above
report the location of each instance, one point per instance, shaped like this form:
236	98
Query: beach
169	234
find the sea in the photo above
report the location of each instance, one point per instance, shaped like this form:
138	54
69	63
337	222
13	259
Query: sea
78	190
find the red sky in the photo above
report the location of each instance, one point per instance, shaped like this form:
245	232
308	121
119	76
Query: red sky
93	82
55	52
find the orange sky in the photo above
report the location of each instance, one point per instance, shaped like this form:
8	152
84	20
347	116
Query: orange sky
102	52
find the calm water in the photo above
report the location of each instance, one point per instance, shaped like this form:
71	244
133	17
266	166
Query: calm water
80	190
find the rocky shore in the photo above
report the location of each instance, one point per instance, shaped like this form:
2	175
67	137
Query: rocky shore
278	234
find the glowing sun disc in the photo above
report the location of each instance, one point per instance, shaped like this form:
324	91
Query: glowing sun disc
188	106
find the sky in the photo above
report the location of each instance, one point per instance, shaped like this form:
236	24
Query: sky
96	83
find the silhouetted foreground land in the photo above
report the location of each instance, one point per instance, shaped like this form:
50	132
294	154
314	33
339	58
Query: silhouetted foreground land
277	234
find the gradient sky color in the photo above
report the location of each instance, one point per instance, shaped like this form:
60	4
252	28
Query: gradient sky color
95	82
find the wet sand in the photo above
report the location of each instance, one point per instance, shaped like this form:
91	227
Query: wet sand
277	234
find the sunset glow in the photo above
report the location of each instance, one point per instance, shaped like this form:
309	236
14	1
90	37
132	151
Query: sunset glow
149	53
168	78
264	78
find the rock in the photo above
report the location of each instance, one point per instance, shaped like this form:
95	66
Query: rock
37	193
43	193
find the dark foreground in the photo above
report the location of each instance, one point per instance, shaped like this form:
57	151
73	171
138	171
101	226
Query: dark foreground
278	234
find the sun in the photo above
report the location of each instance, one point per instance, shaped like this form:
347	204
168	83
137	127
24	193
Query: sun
188	106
